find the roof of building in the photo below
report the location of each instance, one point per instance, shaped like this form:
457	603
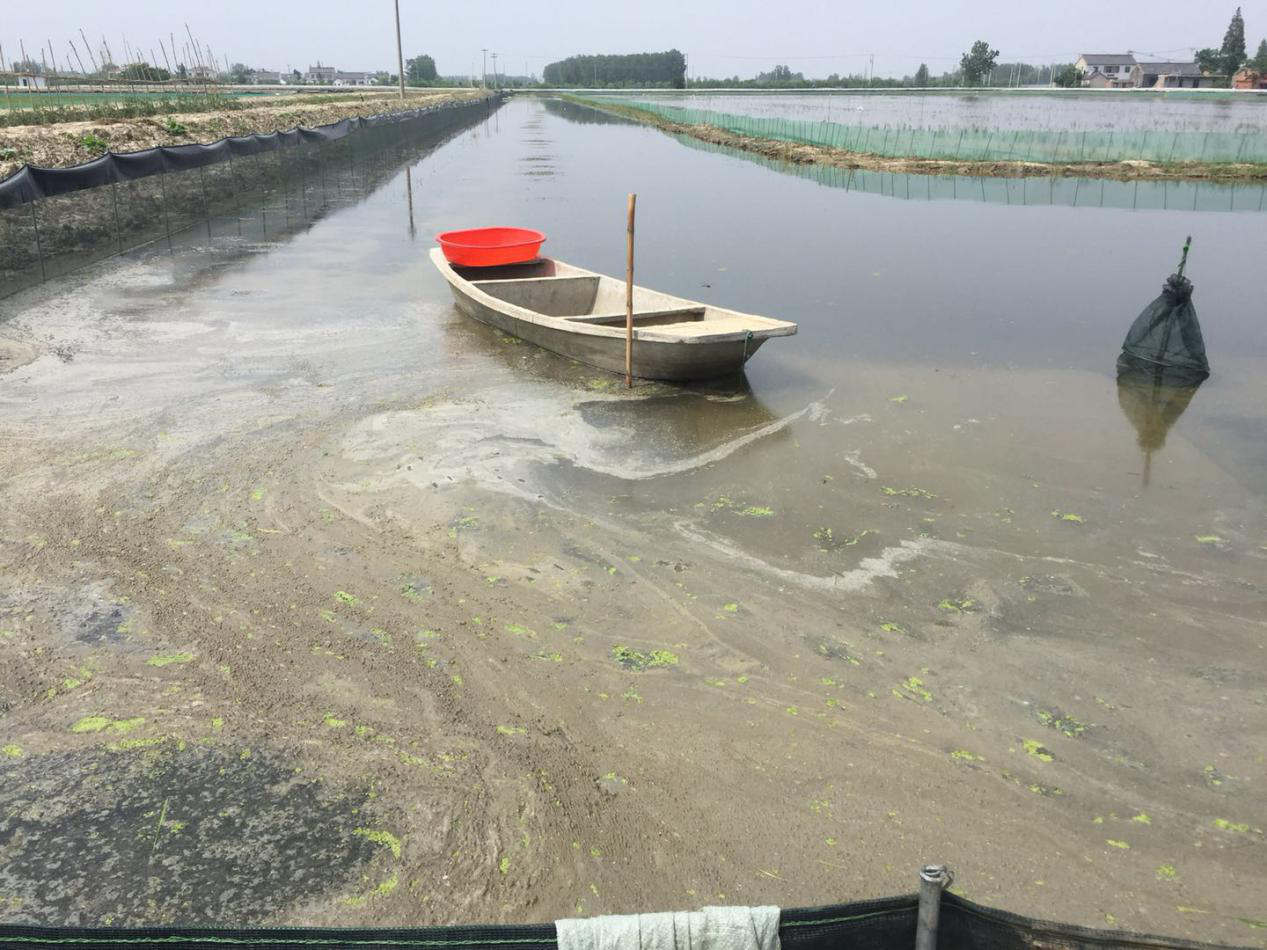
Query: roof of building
1171	69
1108	59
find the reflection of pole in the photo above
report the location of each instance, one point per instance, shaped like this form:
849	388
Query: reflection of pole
409	196
932	878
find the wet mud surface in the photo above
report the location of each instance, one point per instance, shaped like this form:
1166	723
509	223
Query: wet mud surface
157	830
405	621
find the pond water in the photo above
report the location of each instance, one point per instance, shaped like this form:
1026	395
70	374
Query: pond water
932	584
1121	112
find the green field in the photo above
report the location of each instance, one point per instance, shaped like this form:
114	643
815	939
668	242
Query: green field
13	98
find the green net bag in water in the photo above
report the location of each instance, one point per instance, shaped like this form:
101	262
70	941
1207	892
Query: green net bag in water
1165	343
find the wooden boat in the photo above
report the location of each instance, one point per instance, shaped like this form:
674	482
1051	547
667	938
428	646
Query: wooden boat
581	315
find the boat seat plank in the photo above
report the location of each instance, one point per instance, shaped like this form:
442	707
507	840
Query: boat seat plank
644	318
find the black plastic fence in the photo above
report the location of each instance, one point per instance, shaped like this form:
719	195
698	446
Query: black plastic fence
887	924
56	220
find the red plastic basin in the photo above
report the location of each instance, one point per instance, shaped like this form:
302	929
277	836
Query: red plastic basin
488	247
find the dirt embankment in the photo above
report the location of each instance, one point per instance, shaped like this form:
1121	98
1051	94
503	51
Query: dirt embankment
842	158
69	143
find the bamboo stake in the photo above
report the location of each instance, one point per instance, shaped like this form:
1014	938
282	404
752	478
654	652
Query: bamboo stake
7	103
629	267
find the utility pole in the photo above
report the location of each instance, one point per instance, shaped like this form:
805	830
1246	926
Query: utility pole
484	73
495	85
400	57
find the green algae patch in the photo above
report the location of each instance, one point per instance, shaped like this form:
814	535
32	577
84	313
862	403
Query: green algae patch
1224	825
890	627
959	605
519	630
912	492
1068	516
963	755
913	687
12	751
1047	791
1167	872
1036	749
549	655
511	730
102	724
126	745
387	886
332	722
1054	719
1142	819
1207	539
757	511
638	661
730	608
1114	843
167	659
504	865
343	597
828	541
384	838
899	399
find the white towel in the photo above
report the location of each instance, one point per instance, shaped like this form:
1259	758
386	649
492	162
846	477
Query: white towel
713	928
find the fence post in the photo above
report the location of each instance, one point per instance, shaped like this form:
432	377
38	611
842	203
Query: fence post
118	227
39	247
932	879
167	221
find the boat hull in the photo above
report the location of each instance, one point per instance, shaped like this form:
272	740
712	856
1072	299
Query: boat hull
651	359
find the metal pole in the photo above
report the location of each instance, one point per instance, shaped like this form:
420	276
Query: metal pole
932	879
629	293
400	59
484	74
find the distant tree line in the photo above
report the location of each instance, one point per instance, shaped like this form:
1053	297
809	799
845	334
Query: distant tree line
666	69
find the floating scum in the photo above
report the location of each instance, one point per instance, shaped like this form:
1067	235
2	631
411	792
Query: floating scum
1162	363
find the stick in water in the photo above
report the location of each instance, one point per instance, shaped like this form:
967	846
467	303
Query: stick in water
629	261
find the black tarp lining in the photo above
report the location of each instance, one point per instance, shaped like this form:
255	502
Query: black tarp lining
885	924
31	183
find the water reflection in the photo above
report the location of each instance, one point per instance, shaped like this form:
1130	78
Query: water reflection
582	115
1044	190
1152	407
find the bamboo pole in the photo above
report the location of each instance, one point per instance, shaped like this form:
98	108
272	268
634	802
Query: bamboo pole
7	103
629	287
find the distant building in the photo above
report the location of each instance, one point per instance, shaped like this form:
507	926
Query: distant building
32	82
352	79
1249	79
1169	76
265	77
322	75
1106	70
202	72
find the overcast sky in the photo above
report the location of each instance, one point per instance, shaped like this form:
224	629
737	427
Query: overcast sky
720	37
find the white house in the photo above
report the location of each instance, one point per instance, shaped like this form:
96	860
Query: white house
322	75
1169	76
1106	69
352	79
32	82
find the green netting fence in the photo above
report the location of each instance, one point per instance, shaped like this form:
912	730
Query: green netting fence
974	144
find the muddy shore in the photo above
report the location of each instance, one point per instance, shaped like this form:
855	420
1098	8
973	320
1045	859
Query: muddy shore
63	144
841	158
311	585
